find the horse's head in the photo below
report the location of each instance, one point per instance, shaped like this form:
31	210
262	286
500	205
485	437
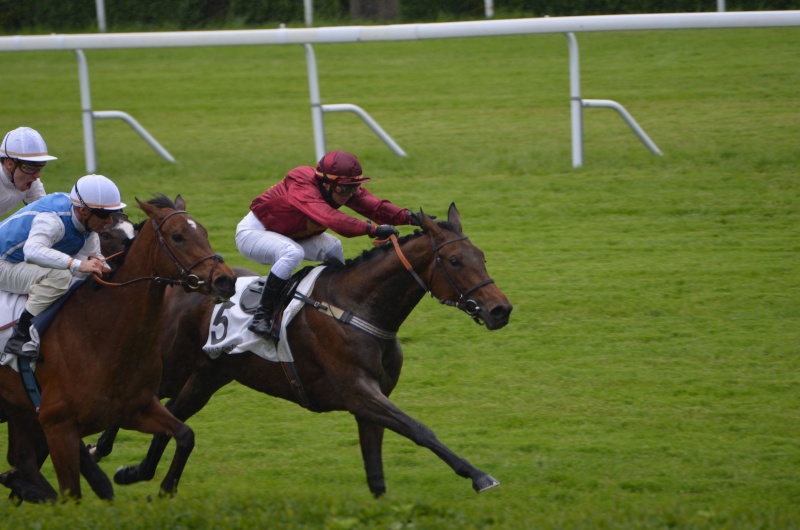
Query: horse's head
116	237
184	253
459	275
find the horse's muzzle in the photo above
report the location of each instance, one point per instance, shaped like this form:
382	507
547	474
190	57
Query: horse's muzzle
223	287
497	317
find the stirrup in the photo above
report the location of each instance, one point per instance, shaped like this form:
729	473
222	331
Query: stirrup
262	327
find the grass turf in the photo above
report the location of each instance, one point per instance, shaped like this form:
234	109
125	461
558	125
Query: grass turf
649	376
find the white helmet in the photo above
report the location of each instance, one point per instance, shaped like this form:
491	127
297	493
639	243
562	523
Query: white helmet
96	192
25	143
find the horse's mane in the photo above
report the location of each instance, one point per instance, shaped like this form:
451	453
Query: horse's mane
382	249
160	200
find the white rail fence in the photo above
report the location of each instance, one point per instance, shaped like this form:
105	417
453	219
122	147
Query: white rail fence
399	32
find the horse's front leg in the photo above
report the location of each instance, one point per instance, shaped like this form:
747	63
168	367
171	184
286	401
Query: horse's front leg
64	442
369	404
105	444
156	419
27	451
95	476
370	436
191	399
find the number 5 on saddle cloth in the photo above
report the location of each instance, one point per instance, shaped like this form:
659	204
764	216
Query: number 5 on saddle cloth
228	333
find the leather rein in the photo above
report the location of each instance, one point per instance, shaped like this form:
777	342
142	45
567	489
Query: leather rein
468	305
187	279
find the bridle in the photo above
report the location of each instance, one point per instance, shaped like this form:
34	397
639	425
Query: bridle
464	303
187	279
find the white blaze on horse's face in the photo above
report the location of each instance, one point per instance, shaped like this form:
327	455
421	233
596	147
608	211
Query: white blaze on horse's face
127	229
192	223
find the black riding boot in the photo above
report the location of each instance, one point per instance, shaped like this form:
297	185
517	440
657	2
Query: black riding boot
262	319
20	336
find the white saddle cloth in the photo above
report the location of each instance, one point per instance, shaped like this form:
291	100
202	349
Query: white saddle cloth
11	306
228	331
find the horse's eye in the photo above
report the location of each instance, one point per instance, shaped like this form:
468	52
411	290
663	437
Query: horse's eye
454	261
105	235
177	238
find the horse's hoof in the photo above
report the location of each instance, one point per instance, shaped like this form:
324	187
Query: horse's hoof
126	475
485	482
14	498
22	490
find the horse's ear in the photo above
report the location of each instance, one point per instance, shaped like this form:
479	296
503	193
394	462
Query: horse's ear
146	207
426	222
453	217
180	203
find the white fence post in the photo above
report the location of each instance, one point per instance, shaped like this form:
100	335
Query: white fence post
86	113
308	12
317	123
101	15
88	117
577	103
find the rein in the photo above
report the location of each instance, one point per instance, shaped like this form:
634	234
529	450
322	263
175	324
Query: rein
468	305
191	281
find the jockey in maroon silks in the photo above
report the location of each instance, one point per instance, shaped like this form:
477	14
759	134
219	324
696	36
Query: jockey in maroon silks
288	223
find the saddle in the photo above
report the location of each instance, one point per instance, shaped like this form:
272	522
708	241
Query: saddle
250	299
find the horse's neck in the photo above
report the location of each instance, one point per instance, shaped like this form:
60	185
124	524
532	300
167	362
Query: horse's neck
138	264
382	290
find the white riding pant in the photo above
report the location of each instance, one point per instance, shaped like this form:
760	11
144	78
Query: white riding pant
42	285
283	253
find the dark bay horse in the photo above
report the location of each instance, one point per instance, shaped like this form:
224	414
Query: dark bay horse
100	363
339	366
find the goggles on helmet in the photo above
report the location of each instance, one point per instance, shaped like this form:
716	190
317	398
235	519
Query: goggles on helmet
30	168
347	189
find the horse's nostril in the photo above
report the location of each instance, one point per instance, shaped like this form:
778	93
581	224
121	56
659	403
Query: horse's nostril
225	285
500	315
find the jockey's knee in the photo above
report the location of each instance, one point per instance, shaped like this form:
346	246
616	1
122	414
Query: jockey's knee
292	255
335	253
48	289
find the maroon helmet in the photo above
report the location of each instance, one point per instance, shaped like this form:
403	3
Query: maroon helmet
342	168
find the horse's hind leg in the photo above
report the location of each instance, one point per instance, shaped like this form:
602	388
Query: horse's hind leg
158	420
377	408
95	476
370	436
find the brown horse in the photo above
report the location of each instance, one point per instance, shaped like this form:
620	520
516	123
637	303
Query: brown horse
338	366
100	367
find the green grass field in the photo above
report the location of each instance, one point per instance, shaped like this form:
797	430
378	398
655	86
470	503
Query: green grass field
649	377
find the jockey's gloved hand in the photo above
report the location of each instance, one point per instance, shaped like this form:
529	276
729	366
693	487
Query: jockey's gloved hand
384	231
415	219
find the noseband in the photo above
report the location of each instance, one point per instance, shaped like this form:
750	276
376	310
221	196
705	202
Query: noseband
468	305
187	279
